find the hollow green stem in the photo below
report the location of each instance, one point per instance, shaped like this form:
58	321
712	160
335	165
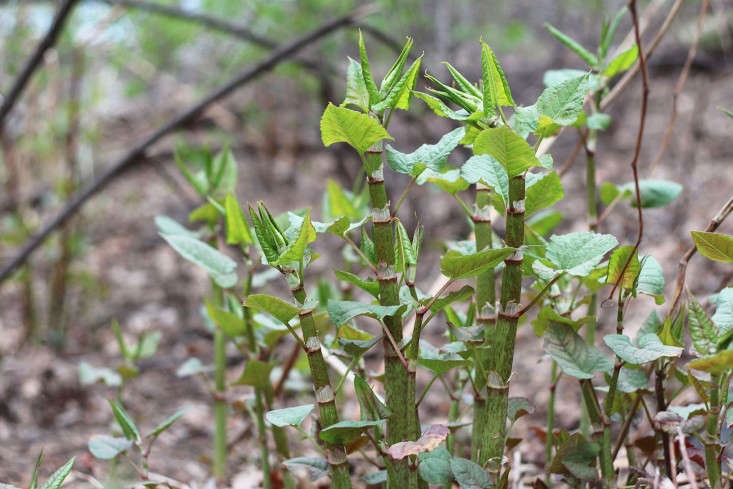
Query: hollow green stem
485	298
399	383
502	339
325	398
712	445
221	407
550	423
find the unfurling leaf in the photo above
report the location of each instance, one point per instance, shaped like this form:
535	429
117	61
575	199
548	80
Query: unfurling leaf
128	426
619	259
433	156
428	441
715	364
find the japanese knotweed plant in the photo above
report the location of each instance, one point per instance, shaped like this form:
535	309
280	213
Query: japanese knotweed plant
491	282
214	179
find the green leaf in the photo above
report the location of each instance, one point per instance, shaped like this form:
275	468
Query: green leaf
237	228
433	156
632	380
394	73
544	193
715	246
377	478
654	193
400	95
703	332
342	311
562	103
280	309
220	267
649	348
651	279
369	285
435	467
616	263
339	203
462	82
440	109
367	72
192	366
57	478
88	374
469	475
456	265
598	121
166	225
295	250
229	322
256	373
36	468
292	416
578	253
266	239
371	407
449	181
584	54
723	317
622	62
107	447
129	429
544	222
464	293
716	364
509	149
518	407
487	170
317	467
496	91
553	77
356	89
573	355
345	432
167	423
360	131
576	456
547	315
437	362
225	174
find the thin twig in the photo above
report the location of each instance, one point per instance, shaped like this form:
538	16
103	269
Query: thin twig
394	343
289	363
639	140
629	75
680	86
683	449
539	295
715	222
137	153
402	197
626	426
36	58
571	159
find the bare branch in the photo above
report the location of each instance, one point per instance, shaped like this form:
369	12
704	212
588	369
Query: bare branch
137	153
680	86
639	140
32	64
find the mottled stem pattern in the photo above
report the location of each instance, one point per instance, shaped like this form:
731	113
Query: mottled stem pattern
503	337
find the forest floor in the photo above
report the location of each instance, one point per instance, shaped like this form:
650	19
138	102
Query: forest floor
134	277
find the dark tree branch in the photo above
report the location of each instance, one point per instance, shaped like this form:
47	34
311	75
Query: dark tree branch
137	153
30	67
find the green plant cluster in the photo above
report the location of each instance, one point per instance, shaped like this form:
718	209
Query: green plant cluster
498	280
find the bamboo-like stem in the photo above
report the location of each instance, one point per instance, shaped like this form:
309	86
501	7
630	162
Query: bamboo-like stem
399	383
550	422
221	407
712	445
485	296
503	337
662	406
328	413
260	400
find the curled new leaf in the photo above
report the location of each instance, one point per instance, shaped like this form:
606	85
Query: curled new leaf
456	265
360	131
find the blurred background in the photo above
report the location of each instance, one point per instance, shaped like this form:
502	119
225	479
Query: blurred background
121	69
